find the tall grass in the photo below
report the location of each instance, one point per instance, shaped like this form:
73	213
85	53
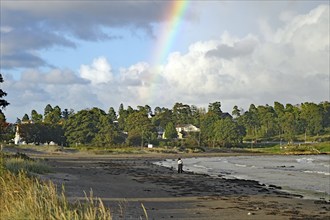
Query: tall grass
31	166
23	197
2	163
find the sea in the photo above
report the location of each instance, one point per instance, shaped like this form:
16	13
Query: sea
306	175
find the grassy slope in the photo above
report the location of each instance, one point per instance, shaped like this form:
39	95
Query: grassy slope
23	196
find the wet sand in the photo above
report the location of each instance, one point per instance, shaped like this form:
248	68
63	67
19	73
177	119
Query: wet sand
126	182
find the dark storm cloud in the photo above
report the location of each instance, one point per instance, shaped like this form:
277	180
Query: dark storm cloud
36	25
18	47
20	59
27	39
72	15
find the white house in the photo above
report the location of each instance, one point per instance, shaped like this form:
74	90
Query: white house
17	138
186	128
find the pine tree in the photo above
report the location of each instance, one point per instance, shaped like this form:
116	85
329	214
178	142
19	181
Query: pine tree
3	103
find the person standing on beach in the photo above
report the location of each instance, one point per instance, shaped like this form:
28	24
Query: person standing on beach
180	166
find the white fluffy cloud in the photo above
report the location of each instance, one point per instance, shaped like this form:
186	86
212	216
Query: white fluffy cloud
98	72
292	66
135	75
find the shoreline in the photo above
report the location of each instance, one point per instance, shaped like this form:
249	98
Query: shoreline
125	182
150	154
216	173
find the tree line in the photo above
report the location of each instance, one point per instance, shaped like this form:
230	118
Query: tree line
142	125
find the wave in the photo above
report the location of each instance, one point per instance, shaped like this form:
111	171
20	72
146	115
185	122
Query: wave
317	172
203	167
240	165
305	160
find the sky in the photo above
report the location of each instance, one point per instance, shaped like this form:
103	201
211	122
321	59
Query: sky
85	54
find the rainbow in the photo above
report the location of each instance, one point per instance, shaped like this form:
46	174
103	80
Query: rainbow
167	36
173	16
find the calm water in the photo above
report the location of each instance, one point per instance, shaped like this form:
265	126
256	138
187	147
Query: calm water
307	175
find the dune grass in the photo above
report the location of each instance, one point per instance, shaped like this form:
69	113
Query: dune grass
15	165
23	197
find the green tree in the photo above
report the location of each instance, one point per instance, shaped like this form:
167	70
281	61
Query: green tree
31	133
48	109
146	109
42	133
170	131
197	114
279	109
138	125
157	110
57	134
3	126
25	118
251	121
247	121
182	114
207	128
240	122
108	133
18	121
2	118
280	117
325	106
299	123
215	107
35	117
53	116
82	127
123	114
66	113
3	103
312	115
267	120
236	111
112	114
162	118
130	110
227	132
289	126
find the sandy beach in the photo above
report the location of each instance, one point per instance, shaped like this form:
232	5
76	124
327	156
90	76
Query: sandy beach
125	183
